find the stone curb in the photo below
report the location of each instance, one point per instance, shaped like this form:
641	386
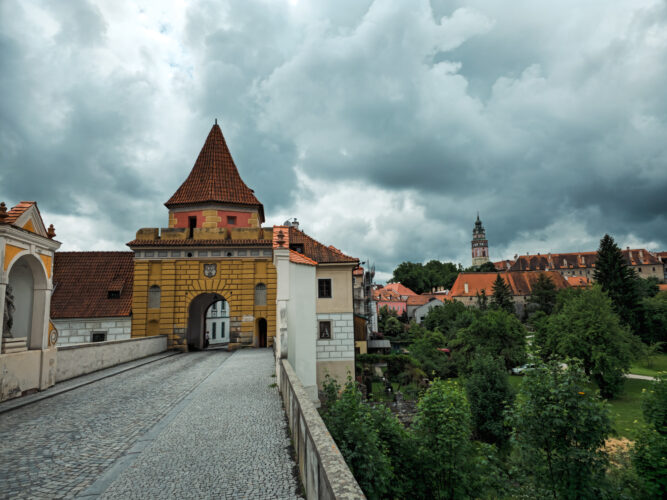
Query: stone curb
13	404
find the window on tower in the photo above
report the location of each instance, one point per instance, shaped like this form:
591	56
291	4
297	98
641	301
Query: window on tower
192	224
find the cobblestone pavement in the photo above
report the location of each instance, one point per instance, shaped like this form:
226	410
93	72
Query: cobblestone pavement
230	441
57	447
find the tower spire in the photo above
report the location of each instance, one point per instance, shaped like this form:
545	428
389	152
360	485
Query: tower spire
479	244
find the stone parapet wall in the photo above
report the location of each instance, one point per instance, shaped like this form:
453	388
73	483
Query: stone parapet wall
322	468
341	345
79	359
80	330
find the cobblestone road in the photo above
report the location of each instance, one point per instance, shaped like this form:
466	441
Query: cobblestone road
58	447
230	441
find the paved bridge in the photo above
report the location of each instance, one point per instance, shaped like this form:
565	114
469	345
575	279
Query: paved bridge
200	425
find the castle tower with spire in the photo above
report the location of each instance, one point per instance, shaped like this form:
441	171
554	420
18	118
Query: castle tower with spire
480	245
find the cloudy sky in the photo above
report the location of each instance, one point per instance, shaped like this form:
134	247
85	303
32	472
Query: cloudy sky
384	126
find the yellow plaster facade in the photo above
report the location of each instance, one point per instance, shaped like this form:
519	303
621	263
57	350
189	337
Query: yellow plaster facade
11	251
181	281
29	226
47	260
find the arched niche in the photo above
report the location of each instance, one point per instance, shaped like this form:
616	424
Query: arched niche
28	284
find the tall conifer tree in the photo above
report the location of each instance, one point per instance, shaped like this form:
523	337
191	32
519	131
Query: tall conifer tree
502	295
619	281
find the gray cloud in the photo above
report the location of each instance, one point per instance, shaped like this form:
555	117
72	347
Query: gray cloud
549	119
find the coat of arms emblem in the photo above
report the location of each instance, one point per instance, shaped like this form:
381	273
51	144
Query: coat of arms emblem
210	270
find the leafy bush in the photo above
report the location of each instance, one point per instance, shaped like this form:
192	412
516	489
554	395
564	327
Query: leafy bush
587	328
559	431
451	465
489	394
495	332
435	363
352	426
650	452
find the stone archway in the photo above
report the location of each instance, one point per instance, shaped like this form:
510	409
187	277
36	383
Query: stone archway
30	296
197	318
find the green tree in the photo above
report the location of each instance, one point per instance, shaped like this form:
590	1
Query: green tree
446	318
393	327
352	426
654	318
587	328
383	315
423	278
543	296
502	295
412	275
647	287
440	274
619	281
495	332
559	430
450	461
425	350
400	448
489	394
649	455
487	267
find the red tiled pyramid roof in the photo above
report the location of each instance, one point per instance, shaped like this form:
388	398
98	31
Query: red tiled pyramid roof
83	280
214	178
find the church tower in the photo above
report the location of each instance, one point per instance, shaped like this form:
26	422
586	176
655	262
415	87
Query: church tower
480	246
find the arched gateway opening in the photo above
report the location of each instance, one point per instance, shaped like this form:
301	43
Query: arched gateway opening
28	294
208	312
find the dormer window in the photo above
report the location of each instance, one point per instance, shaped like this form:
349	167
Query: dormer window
113	294
297	247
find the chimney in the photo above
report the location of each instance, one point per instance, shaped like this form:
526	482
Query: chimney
641	256
295	223
465	287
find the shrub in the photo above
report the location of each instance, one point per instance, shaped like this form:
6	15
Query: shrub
559	431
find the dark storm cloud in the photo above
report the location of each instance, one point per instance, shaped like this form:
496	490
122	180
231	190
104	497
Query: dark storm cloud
385	126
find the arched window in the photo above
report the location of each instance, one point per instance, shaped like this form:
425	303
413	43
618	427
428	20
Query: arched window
260	294
154	297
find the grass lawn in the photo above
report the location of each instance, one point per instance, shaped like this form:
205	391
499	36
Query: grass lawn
625	409
658	364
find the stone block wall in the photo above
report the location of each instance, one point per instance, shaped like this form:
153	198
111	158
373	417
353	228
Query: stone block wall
335	357
80	330
341	344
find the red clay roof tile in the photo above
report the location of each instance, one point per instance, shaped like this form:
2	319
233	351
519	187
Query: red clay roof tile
576	260
298	258
215	178
521	282
17	211
316	250
83	280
